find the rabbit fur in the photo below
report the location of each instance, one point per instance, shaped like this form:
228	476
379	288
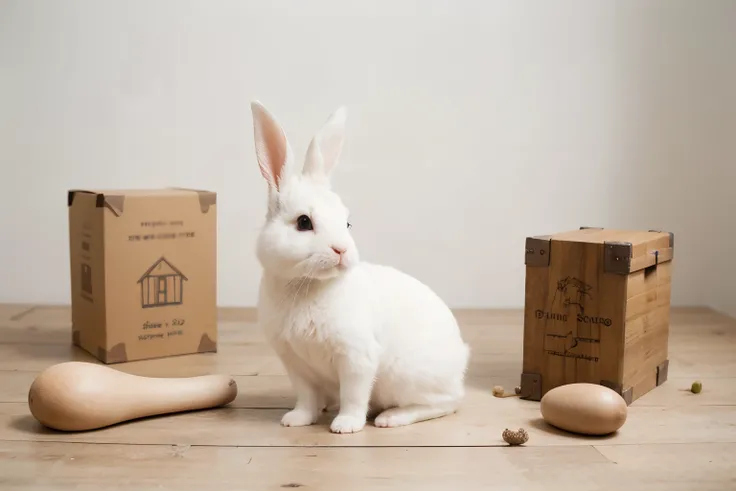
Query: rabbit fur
368	339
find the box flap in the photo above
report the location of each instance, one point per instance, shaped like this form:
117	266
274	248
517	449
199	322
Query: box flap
206	198
114	199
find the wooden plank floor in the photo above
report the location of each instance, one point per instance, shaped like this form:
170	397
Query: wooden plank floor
673	440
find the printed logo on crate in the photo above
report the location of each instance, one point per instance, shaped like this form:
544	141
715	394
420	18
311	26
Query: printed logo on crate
569	304
572	293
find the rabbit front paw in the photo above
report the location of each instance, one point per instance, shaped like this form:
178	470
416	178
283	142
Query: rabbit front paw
299	417
345	423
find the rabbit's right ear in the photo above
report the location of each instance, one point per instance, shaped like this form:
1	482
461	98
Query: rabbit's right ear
326	146
272	148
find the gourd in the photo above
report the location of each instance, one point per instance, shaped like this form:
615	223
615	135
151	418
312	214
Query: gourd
80	396
588	409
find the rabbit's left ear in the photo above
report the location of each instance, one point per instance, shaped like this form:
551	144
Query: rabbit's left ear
326	146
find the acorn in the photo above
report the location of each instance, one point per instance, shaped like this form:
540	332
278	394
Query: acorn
519	437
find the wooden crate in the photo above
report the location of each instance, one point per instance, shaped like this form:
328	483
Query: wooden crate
597	310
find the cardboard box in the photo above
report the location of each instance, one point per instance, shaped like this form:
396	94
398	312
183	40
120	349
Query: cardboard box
597	309
143	272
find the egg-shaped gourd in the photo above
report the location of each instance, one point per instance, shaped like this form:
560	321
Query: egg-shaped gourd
584	408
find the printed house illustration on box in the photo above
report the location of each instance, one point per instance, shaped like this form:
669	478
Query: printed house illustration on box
162	284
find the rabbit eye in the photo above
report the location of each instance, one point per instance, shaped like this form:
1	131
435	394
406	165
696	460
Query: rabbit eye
350	225
304	223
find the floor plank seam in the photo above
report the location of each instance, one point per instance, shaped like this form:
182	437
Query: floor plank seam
20	315
289	408
233	374
596	446
598	450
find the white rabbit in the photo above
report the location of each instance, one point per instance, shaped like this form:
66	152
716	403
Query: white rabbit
368	338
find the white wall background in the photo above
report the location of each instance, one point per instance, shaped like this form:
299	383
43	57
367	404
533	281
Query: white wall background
472	124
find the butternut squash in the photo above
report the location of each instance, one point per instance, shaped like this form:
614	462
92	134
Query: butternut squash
80	396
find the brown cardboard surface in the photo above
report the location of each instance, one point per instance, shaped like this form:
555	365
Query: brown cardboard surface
143	272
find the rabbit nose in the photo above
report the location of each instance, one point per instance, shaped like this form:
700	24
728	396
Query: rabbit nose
338	250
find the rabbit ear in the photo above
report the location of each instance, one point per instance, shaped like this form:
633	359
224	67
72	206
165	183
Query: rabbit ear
326	146
272	148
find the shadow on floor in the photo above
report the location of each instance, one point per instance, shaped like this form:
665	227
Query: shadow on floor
541	425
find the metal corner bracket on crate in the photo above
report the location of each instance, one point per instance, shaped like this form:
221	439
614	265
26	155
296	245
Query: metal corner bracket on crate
617	257
538	250
531	386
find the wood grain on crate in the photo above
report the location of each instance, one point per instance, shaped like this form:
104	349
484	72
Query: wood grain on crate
647	327
551	336
673	439
595	315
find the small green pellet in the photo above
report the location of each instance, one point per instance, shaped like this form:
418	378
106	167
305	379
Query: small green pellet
696	387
